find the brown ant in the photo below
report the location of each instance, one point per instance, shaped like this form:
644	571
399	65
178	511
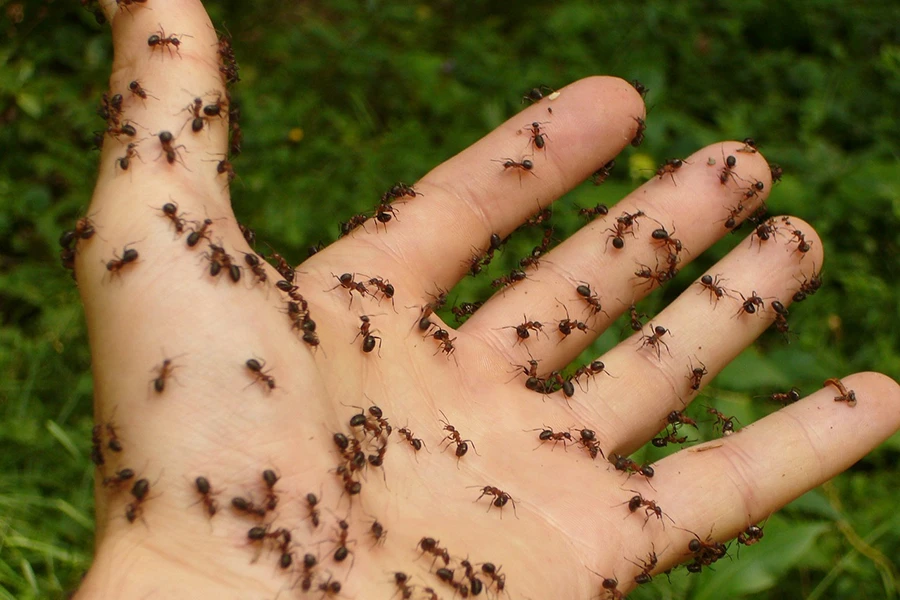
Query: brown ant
347	282
248	506
523	330
537	136
591	297
705	553
639	87
197	121
646	567
638	138
163	372
749	146
588	439
224	167
385	287
697	374
416	443
355	221
634	317
127	128
161	40
753	190
205	491
84	230
789	397
546	434
626	465
256	369
329	587
255	266
599	210
166	140
534	258
750	536
598	177
611	585
170	211
117	263
624	224
445	342
136	89
341	551
200	230
848	396
97	446
270	478
500	500
808	286
589	370
118	478
429	545
670	438
676	417
114	444
378	533
462	446
728	170
497	578
525	166
669	167
802	245
505	281
365	329
726	423
750	304
777	172
650	507
712	285
763	232
654	340
135	509
465	309
123	162
567	325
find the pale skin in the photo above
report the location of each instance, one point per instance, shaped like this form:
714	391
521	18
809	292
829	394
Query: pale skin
566	527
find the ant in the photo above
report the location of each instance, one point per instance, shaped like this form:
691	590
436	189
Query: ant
676	417
97	446
431	546
170	211
705	552
749	146
626	465
115	266
654	340
640	88
588	439
312	502
84	230
465	309
383	214
669	438
750	536
789	397
415	442
567	325
283	267
256	267
650	507
355	221
346	281
537	94
462	446
753	190
598	177
496	576
445	341
848	396
591	297
500	500
161	40
166	140
125	129
270	478
638	138
399	190
199	231
224	167
524	166
135	509
248	506
403	587
781	315
341	552
712	285
378	532
590	370
809	286
697	374
523	330
763	232
546	434
136	89
624	224
118	478
777	172
309	563
114	444
611	585
669	167
205	491
514	276
197	121
634	317
385	287
802	245
728	170
256	368
537	137
365	329
727	423
750	304
123	162
600	210
646	567
534	259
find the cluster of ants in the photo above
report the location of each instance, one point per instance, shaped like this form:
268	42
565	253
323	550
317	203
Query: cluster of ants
121	477
384	210
470	582
352	448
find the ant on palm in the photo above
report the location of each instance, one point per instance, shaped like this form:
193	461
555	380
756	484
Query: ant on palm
462	446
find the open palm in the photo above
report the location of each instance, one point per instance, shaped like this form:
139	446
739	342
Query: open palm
205	368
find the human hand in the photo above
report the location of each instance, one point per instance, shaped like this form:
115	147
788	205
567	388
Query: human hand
207	421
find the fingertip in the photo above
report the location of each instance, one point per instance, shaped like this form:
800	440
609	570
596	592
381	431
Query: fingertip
879	388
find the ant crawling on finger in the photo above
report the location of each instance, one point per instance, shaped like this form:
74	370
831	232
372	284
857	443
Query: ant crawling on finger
523	330
713	286
567	326
525	166
462	446
547	434
610	585
500	500
117	263
591	298
646	566
654	340
650	507
369	339
256	369
751	305
723	421
161	40
848	396
669	167
538	137
626	465
167	142
696	375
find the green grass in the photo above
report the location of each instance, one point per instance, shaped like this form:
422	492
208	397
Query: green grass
382	92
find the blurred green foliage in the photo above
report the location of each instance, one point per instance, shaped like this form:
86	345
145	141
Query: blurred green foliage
341	99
